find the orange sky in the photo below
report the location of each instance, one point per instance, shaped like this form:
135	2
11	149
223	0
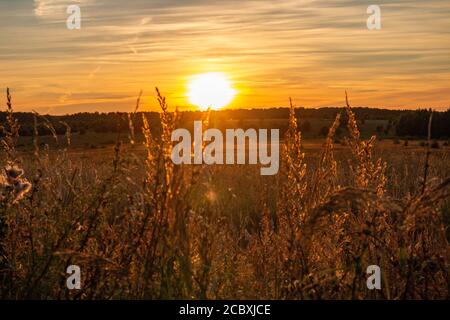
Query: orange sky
310	50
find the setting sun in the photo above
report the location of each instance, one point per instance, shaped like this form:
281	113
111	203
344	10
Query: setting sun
210	90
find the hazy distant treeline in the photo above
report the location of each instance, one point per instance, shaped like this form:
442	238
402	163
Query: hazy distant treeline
405	122
415	123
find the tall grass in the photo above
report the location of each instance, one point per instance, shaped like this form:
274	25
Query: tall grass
142	228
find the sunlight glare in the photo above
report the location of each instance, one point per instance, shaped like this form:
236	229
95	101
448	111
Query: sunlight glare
210	90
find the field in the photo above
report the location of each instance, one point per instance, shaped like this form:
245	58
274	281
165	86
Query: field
141	227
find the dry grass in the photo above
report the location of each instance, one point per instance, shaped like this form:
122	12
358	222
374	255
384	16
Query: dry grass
140	227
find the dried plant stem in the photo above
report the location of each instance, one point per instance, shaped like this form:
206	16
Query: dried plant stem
427	157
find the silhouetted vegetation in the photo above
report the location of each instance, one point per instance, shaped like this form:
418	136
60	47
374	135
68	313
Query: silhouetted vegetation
415	123
141	227
118	121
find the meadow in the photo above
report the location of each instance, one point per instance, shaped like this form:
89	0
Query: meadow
141	227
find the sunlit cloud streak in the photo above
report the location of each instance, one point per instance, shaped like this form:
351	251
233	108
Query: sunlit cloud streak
310	50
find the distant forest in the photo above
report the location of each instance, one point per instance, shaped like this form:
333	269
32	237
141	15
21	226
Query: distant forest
406	123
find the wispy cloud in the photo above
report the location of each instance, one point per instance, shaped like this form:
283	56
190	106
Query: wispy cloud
55	8
311	50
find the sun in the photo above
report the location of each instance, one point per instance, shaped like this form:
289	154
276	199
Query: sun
210	90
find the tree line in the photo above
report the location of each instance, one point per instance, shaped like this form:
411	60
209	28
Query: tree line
404	122
415	124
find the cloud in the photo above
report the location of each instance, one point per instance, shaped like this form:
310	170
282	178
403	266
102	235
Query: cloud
55	8
94	72
313	50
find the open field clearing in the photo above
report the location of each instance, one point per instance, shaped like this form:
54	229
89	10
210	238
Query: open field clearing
141	227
